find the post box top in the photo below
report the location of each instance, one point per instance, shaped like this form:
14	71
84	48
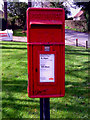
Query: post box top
45	16
50	9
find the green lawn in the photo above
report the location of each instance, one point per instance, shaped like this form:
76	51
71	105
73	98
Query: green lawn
15	100
75	29
18	32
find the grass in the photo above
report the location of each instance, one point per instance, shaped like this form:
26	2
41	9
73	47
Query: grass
75	29
18	32
15	100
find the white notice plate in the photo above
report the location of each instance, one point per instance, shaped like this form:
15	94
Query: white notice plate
47	67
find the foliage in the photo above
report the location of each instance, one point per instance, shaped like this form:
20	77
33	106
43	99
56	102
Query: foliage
17	13
17	104
60	5
19	32
75	29
86	8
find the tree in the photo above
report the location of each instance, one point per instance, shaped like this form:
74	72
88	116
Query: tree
5	15
86	7
17	13
60	5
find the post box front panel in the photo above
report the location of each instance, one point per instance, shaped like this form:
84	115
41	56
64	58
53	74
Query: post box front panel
53	82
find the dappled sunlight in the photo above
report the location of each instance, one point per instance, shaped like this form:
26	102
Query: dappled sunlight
15	100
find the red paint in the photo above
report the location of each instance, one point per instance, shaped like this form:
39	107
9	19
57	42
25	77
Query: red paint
3	35
46	27
51	78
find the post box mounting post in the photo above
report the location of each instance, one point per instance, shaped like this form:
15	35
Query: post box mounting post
44	109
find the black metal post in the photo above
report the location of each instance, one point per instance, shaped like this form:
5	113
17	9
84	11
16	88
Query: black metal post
86	44
76	42
5	13
29	3
41	108
44	109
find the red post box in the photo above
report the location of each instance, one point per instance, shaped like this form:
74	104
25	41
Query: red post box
46	52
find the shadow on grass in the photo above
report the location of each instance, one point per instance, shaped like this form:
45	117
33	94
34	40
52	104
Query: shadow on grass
76	89
15	107
13	43
74	73
21	100
14	86
77	52
69	108
14	47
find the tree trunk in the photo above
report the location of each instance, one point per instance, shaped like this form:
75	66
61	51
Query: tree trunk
5	12
29	3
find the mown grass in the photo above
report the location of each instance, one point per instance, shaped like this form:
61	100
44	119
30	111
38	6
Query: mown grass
75	29
19	32
15	100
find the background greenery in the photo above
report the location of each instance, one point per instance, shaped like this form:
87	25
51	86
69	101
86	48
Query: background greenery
19	32
15	100
17	14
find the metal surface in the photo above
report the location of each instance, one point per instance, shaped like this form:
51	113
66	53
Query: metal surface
76	42
86	44
46	27
41	108
44	109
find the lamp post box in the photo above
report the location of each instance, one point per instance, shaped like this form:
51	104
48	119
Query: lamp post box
46	52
